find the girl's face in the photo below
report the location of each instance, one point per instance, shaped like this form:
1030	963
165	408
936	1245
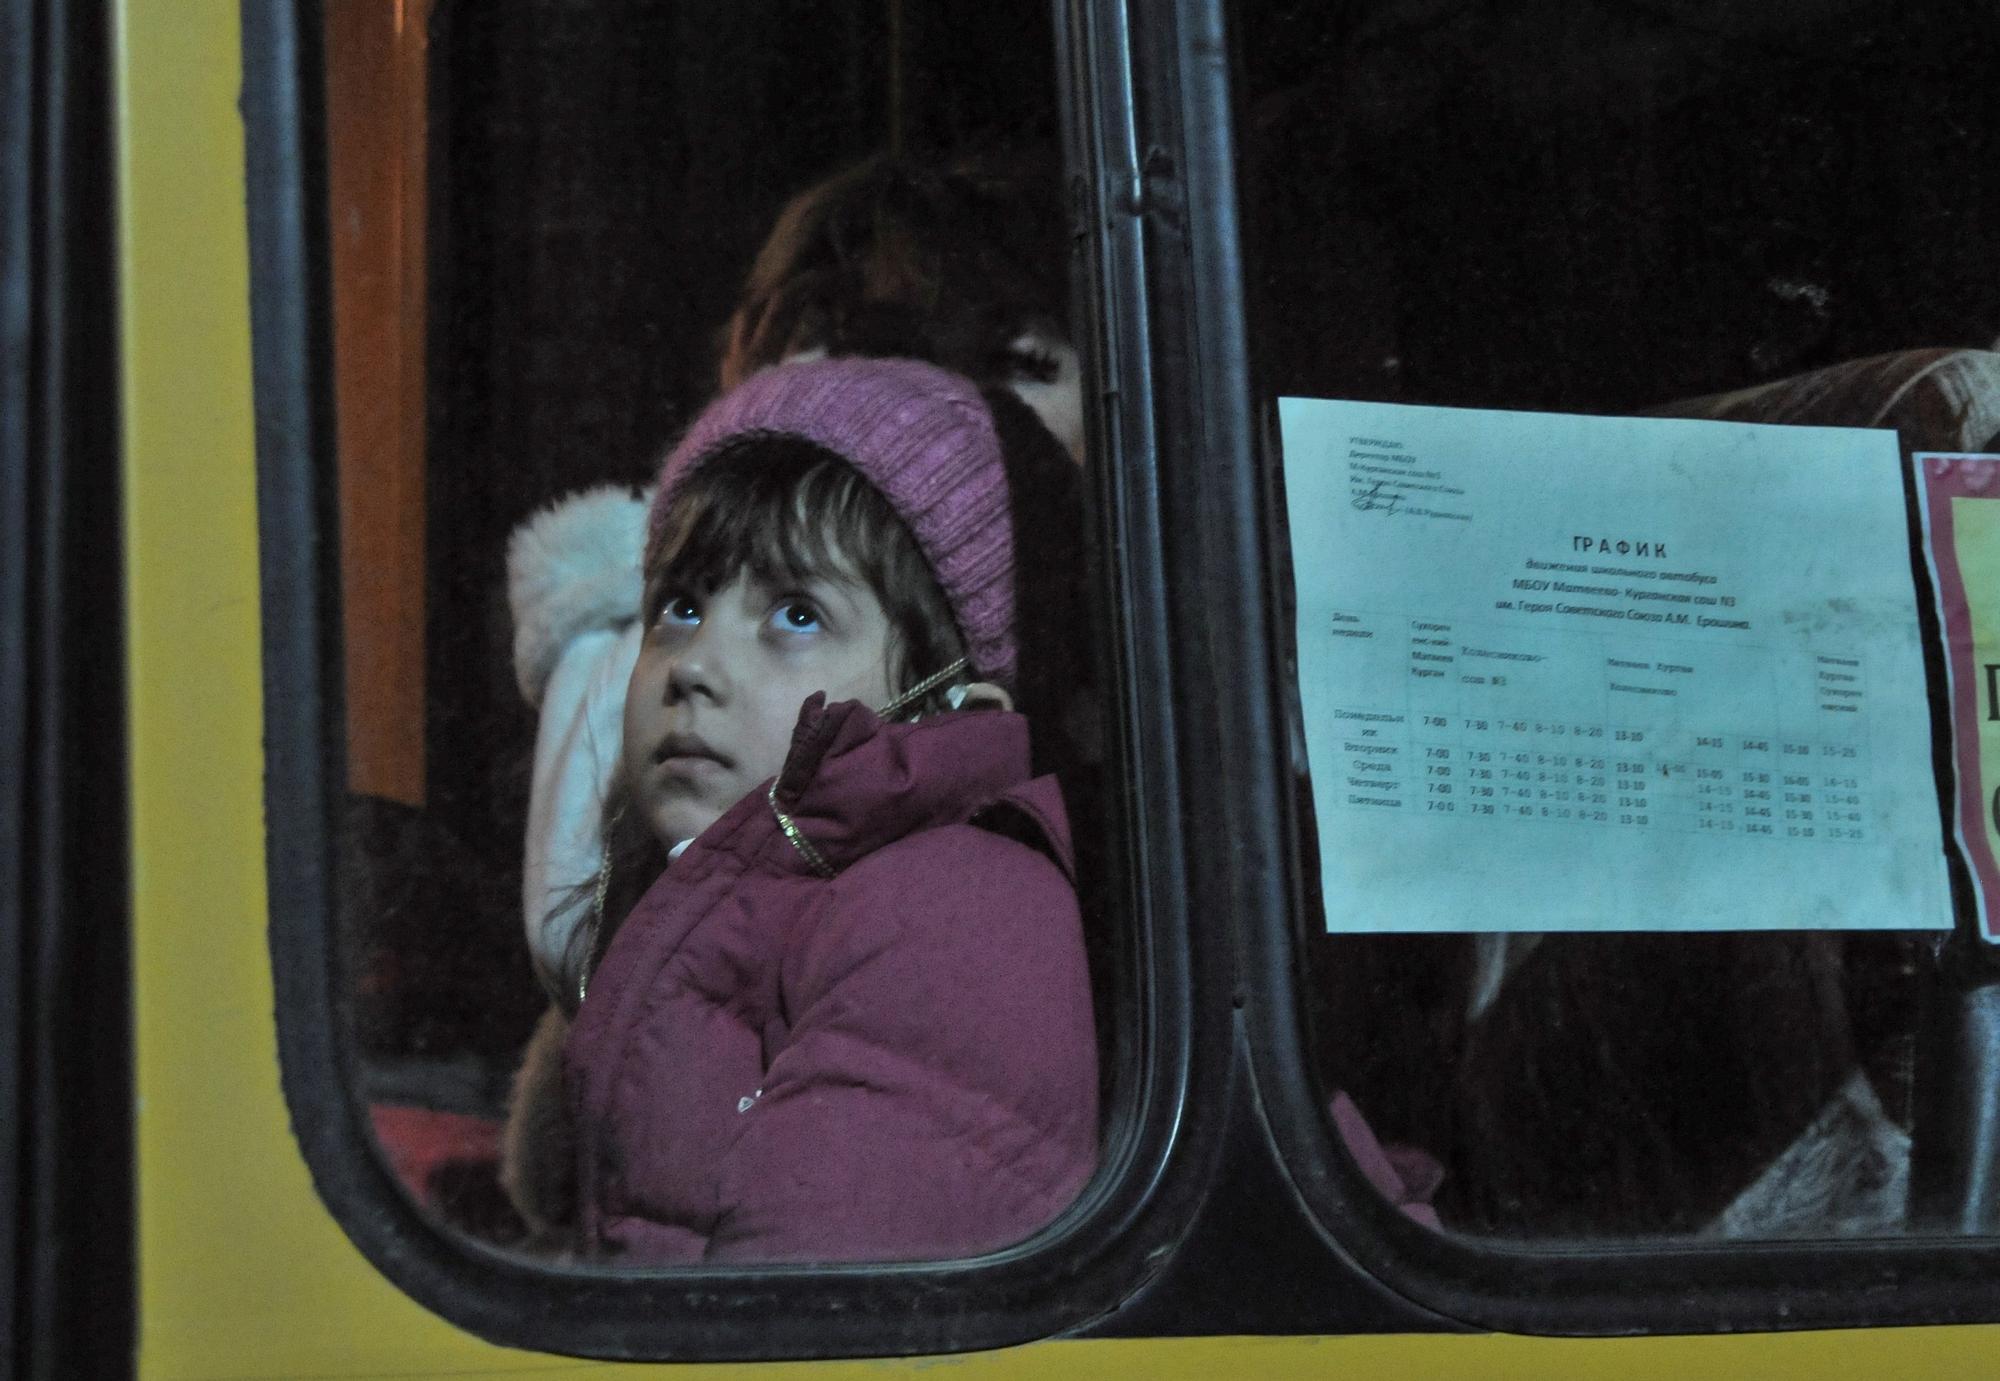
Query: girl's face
716	692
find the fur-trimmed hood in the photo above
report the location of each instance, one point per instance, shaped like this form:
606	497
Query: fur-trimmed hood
571	568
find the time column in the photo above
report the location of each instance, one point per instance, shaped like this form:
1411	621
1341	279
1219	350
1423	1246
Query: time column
1439	766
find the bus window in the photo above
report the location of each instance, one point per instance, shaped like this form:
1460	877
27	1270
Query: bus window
624	344
1643	888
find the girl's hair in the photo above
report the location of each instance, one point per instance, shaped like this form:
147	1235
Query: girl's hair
891	258
633	858
781	507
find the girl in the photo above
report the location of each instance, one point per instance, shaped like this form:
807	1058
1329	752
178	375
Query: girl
962	266
850	1019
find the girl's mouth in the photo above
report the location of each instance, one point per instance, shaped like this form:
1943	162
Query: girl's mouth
687	751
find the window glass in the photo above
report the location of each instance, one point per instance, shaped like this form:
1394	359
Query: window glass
701	1015
1648	822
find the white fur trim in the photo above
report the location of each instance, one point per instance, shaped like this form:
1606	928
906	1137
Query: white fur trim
572	568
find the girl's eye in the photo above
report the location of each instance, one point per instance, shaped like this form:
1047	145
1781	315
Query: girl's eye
797	616
680	609
1026	362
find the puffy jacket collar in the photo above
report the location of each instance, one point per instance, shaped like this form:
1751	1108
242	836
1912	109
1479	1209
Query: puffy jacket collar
851	783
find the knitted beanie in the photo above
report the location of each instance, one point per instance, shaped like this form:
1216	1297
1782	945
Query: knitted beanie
923	438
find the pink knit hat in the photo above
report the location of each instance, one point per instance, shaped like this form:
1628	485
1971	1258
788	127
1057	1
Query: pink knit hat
922	437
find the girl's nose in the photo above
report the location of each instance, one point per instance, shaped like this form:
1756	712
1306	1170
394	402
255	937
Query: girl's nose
698	670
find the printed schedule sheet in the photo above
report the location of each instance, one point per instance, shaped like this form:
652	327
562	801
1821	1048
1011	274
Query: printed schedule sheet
1566	673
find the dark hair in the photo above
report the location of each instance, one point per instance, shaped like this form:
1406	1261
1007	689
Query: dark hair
781	507
890	258
633	858
1054	667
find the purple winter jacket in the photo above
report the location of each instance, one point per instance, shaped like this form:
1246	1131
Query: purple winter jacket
896	1061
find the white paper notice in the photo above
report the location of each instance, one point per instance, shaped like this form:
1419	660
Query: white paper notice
1588	673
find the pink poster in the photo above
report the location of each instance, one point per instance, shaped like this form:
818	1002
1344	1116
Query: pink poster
1961	503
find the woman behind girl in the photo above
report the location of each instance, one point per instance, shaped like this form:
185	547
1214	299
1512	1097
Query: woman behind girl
851	1019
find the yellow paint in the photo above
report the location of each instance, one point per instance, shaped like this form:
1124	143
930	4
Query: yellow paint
1975	529
241	1272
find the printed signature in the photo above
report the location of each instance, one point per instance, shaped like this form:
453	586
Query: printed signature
1373	500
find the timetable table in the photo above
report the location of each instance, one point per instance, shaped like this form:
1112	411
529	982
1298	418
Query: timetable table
1581	731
